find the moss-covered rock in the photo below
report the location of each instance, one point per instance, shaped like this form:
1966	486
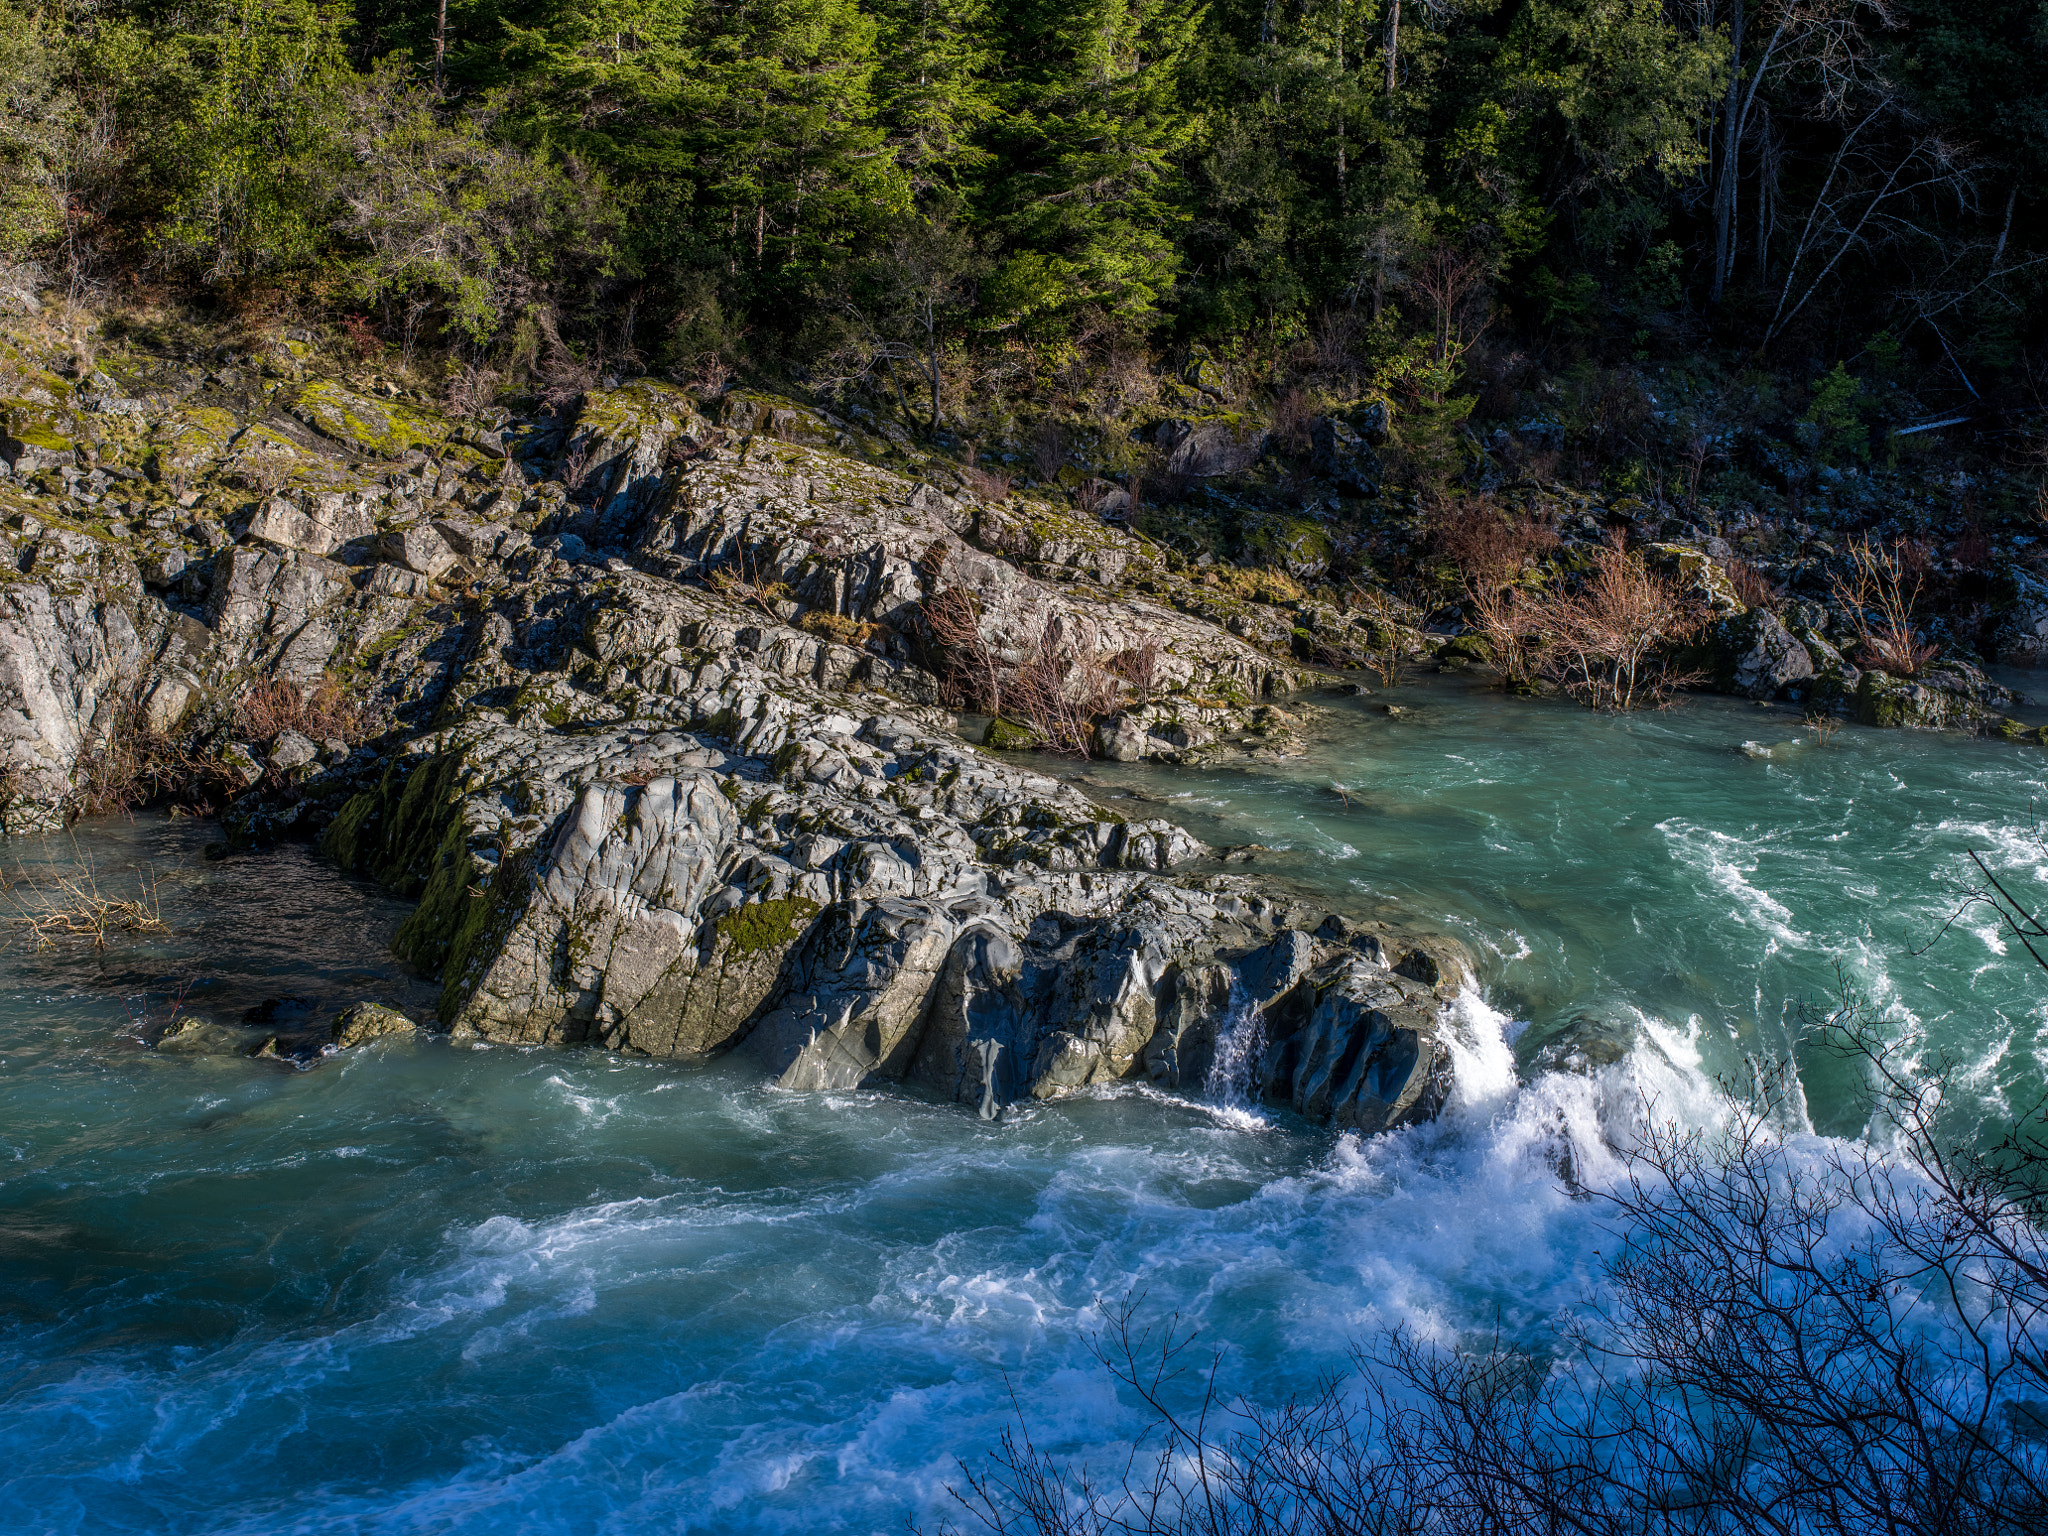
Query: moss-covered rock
1467	649
761	926
1953	696
1297	545
380	428
366	1022
1007	736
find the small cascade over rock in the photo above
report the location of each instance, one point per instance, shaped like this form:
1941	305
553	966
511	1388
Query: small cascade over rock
1233	1079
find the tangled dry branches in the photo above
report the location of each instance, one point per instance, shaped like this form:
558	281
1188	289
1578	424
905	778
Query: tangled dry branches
73	907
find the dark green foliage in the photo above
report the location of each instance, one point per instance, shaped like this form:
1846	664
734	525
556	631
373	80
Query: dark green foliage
580	185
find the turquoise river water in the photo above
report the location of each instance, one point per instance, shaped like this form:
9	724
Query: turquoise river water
428	1288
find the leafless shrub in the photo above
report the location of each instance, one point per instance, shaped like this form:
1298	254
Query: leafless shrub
1138	665
1385	650
561	376
711	376
1336	341
1062	688
1293	413
133	764
1049	450
742	578
1823	728
986	484
1515	625
470	388
361	334
970	674
1492	549
1609	640
1057	678
1453	282
1879	589
1490	545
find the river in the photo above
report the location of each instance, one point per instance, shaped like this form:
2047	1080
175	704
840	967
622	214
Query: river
426	1287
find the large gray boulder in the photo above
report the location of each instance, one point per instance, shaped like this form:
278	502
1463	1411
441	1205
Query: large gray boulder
1757	657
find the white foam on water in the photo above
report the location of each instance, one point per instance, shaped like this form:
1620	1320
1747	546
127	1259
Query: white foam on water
1727	861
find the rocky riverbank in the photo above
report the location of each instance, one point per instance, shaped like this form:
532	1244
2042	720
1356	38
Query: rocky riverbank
646	722
647	703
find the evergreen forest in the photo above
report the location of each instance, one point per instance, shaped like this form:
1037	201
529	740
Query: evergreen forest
1828	213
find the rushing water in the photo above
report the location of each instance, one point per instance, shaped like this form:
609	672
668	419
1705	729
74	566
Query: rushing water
428	1288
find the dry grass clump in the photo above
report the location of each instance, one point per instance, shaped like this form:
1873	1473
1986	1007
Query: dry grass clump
322	712
836	627
1260	584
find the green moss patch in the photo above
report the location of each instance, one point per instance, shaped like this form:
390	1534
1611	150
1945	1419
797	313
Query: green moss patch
381	428
760	926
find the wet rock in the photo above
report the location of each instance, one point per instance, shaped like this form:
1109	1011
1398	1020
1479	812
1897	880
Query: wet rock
1835	679
854	995
602	938
1582	1044
1368	1057
365	1022
202	1037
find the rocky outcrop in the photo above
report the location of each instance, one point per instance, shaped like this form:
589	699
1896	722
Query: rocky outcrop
663	761
744	841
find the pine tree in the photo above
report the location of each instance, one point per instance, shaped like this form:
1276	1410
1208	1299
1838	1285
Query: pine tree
1092	188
